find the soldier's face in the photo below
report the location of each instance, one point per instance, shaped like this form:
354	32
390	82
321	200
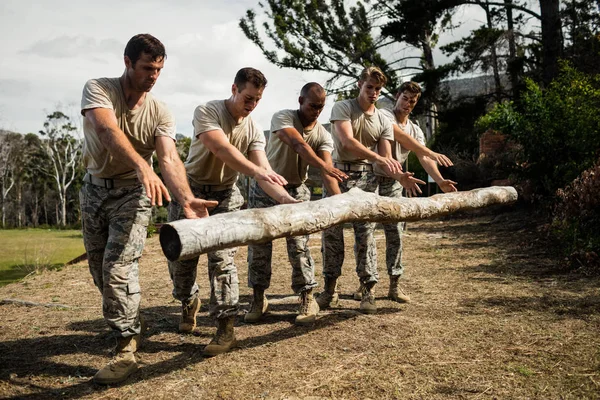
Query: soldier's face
144	73
246	100
406	102
369	90
312	105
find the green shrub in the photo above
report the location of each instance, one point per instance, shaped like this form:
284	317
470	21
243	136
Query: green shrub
557	129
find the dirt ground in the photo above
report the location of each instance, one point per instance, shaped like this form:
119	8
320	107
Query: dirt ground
492	317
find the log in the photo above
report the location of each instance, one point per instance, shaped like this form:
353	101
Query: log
188	238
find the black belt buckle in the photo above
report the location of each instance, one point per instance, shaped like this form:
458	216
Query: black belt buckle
109	184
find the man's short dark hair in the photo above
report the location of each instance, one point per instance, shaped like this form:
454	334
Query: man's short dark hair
249	75
411	87
309	86
145	43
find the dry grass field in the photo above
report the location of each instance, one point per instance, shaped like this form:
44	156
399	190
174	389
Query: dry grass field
492	317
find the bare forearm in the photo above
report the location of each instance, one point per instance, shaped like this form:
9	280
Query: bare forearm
307	154
175	177
431	168
331	185
236	160
121	149
410	143
276	192
359	150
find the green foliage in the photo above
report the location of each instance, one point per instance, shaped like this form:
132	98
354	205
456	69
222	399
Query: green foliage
319	35
577	217
25	250
558	129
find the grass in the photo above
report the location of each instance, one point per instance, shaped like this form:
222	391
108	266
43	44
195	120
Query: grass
25	250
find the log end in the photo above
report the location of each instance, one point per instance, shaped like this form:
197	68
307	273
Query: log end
170	242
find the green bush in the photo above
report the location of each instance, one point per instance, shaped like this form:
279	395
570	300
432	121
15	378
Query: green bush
557	129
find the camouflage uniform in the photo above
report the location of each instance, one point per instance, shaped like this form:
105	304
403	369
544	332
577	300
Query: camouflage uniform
389	187
259	256
114	224
222	272
364	240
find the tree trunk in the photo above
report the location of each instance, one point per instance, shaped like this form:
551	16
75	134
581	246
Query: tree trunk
494	55
432	89
551	39
512	51
191	237
19	202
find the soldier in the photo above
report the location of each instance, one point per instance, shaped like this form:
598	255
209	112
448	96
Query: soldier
297	140
362	137
226	142
408	137
123	125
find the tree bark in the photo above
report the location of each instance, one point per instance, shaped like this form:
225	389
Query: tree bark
191	237
551	39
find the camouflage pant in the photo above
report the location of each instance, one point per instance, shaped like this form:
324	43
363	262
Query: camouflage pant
114	224
365	251
222	272
389	187
259	256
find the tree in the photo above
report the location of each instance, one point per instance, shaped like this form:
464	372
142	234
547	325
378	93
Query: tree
10	144
64	151
320	35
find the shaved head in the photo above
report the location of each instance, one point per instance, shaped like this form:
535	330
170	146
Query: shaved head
312	87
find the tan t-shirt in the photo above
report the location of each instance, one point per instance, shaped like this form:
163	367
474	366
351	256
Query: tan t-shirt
367	129
140	126
283	159
411	128
203	167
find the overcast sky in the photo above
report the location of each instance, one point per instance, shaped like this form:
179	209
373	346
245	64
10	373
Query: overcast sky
51	48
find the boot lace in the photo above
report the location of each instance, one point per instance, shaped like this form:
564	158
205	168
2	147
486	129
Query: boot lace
303	299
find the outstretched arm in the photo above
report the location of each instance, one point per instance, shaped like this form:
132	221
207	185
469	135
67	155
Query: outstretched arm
410	143
432	169
330	183
349	143
292	138
217	143
175	178
275	191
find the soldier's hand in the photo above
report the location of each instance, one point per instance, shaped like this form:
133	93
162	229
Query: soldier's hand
270	176
335	173
198	208
155	188
389	165
447	186
440	159
287	199
411	184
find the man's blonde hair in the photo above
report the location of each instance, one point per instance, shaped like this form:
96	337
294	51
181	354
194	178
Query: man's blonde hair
374	73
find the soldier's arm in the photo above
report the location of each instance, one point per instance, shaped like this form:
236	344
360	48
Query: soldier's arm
291	137
114	139
174	175
330	183
432	169
410	143
217	143
275	191
349	143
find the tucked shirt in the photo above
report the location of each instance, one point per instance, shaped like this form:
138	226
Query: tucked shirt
282	158
140	125
202	166
368	129
411	128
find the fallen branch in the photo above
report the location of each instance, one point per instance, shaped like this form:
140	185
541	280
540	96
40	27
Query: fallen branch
32	304
191	237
